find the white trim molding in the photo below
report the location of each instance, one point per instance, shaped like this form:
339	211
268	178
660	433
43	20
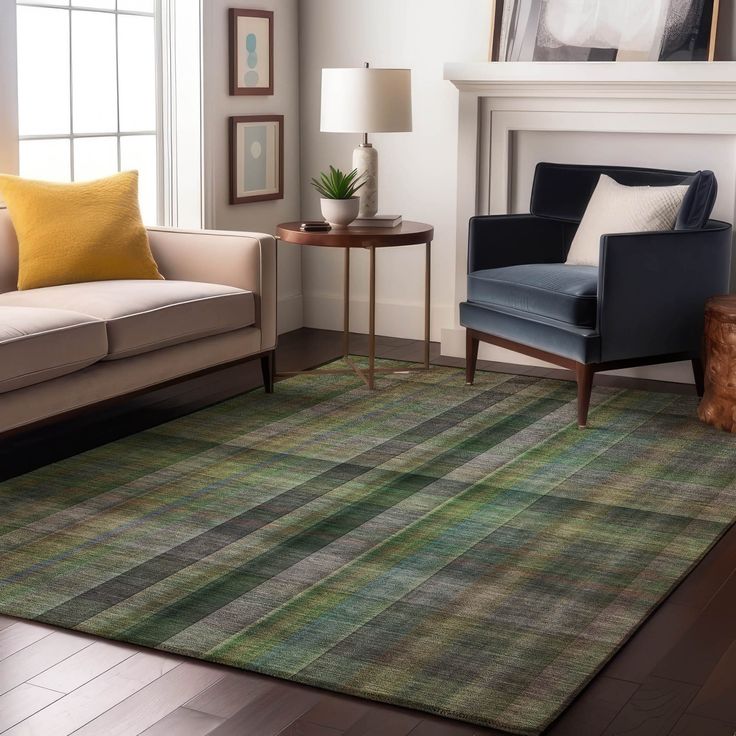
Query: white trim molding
290	313
670	79
500	102
180	82
8	89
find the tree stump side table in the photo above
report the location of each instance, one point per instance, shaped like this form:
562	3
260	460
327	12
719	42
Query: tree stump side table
719	402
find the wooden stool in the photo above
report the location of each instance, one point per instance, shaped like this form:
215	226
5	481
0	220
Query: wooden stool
719	402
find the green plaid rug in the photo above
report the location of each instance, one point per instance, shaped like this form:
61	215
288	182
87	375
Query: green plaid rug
466	551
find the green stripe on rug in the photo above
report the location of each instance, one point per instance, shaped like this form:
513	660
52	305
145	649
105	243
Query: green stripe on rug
463	550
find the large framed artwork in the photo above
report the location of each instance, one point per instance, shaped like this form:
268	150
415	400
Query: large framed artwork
256	158
251	52
603	30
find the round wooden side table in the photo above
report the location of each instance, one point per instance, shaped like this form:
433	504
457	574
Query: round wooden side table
370	239
718	406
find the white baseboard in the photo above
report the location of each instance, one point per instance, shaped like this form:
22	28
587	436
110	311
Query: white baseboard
290	314
393	319
453	345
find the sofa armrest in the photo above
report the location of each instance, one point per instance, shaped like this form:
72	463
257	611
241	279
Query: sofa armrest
653	287
243	260
496	241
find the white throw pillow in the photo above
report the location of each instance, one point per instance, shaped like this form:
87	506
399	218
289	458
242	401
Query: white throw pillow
615	208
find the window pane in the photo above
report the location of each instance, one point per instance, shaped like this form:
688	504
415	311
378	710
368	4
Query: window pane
139	6
139	152
102	4
137	69
60	3
95	158
94	81
43	71
46	160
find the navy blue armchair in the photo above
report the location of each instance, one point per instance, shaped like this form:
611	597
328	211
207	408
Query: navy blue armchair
644	303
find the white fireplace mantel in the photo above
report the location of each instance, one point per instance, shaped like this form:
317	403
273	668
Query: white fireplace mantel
679	115
597	79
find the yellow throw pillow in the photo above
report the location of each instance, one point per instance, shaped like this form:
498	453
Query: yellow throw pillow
87	231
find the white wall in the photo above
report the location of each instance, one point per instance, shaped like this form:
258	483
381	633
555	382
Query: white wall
418	170
8	90
219	105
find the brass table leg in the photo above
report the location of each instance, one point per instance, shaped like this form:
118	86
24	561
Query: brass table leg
427	303
368	376
372	322
346	313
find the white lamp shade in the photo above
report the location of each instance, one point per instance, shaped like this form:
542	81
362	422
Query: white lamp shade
366	100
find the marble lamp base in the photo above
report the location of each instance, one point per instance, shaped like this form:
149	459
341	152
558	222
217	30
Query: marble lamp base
365	160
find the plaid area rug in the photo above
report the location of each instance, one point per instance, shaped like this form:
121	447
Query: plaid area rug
465	551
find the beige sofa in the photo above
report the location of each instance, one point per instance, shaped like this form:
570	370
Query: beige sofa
63	348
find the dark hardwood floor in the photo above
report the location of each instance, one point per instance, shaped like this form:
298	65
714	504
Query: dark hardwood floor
676	676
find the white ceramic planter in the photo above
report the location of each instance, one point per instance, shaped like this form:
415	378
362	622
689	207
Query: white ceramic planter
340	212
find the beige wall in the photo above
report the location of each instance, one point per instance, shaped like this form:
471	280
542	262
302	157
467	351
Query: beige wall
8	97
219	105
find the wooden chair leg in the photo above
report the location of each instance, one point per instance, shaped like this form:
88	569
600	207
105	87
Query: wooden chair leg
699	374
471	357
268	366
584	374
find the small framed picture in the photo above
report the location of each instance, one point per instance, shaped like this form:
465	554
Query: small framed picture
256	158
251	52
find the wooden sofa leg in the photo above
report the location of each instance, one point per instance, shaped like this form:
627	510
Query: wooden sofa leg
584	374
699	374
268	365
471	357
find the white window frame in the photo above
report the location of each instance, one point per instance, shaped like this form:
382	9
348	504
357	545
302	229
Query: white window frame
181	95
8	90
117	134
180	187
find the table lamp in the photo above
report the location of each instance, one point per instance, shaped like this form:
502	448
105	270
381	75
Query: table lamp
366	100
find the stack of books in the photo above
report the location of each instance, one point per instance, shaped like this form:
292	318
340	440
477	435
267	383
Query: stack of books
377	221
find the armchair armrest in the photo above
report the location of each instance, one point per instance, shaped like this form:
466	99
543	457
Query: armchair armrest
496	241
243	260
653	287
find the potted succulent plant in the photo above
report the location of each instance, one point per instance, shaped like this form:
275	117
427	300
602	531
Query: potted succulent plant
340	206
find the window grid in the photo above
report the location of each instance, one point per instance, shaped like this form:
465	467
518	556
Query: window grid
118	134
81	6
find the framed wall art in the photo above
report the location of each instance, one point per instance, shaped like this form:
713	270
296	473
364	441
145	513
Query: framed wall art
251	52
256	158
601	30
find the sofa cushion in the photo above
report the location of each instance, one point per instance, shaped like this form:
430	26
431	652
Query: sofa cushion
145	315
83	231
554	290
615	208
40	344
